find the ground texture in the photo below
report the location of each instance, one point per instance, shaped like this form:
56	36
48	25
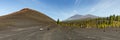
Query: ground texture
59	33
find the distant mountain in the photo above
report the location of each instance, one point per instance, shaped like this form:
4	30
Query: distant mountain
77	16
80	17
25	17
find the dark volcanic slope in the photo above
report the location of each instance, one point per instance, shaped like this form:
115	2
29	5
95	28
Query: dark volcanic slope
25	17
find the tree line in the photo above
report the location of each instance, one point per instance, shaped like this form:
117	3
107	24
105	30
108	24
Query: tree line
100	22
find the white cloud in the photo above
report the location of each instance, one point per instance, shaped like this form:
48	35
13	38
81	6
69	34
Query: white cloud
106	7
77	3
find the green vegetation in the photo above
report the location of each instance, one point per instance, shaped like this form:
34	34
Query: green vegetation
58	21
101	22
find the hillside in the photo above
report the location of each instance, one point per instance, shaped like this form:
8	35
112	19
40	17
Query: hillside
101	22
25	17
81	17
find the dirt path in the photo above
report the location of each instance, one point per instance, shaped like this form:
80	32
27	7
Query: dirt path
48	35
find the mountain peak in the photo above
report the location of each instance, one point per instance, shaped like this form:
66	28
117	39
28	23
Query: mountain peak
27	16
26	9
89	15
76	16
79	17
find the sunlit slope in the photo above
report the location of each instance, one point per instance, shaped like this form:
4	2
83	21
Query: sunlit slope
25	17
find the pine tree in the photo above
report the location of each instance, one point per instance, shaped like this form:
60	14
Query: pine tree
58	21
117	18
114	17
111	18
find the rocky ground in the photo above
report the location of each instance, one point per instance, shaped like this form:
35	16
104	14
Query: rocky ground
59	33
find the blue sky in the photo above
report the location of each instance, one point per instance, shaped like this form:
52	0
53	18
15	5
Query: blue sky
63	9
